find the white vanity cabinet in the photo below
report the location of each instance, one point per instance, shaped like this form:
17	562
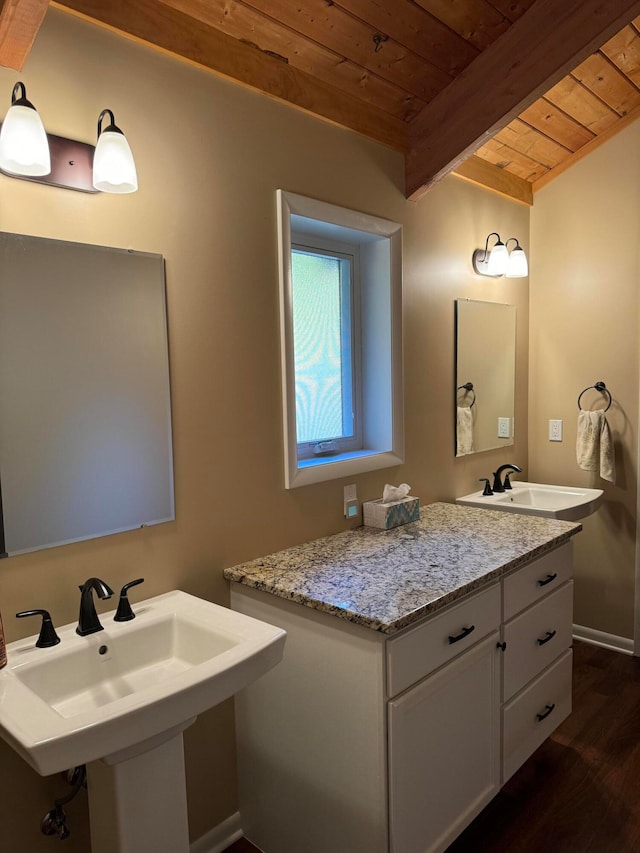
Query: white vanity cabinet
361	742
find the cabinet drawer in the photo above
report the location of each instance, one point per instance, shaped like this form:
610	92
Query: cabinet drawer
525	586
535	638
535	713
415	654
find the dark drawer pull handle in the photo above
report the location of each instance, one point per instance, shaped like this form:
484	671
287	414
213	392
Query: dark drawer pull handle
464	633
548	579
550	635
543	716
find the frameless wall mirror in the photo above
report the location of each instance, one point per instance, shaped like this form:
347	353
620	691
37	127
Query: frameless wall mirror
85	418
485	375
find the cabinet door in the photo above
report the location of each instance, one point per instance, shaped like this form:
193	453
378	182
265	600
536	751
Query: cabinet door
444	751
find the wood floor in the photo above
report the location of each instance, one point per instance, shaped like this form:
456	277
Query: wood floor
580	792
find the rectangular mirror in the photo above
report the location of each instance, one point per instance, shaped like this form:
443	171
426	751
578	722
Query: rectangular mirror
485	375
85	416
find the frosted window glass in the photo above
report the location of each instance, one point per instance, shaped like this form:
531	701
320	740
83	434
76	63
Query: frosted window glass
322	362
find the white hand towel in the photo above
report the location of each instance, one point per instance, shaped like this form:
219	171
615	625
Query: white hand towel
594	447
464	431
607	453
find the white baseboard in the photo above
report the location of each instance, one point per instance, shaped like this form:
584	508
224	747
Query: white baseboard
601	638
220	837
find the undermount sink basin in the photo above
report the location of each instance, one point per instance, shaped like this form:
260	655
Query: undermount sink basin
128	685
570	503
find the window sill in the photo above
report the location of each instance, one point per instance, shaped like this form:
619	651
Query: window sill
320	469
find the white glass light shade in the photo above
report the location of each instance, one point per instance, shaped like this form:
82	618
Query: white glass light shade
517	266
498	258
114	170
24	148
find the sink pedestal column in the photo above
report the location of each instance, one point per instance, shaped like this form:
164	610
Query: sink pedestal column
138	799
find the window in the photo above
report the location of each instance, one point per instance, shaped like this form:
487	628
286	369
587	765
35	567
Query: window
325	293
341	340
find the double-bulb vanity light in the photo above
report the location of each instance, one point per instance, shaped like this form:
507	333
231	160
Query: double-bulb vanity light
499	261
27	151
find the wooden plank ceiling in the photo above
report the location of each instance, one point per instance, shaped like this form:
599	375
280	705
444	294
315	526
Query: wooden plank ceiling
584	109
507	93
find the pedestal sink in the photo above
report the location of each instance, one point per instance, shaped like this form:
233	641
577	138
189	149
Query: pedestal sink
570	503
119	700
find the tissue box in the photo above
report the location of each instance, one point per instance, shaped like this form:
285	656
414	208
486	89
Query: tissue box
386	516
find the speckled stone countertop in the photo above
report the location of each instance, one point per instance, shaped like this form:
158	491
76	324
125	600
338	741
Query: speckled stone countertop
389	579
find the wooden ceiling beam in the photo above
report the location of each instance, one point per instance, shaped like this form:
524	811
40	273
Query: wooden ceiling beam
544	45
243	22
485	174
19	23
177	33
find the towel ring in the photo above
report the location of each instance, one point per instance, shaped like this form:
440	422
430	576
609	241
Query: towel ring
468	386
602	388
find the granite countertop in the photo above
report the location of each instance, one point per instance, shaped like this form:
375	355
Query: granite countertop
389	579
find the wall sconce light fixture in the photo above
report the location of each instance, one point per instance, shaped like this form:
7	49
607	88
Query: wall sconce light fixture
24	149
499	261
28	152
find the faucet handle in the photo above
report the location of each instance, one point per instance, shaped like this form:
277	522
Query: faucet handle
48	636
507	481
487	488
124	613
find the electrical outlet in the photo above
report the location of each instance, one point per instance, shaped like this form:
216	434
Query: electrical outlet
555	430
504	427
351	501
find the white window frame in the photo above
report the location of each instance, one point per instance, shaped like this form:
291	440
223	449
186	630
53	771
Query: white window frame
379	244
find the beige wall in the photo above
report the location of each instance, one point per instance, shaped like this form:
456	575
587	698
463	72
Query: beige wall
584	328
210	156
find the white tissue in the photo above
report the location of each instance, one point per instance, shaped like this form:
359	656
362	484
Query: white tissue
395	493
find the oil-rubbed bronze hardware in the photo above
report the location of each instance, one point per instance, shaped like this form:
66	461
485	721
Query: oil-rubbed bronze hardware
468	387
549	636
464	633
602	388
486	492
124	613
545	714
548	579
88	622
48	636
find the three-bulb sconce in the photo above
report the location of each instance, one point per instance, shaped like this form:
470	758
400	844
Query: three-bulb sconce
499	261
27	151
